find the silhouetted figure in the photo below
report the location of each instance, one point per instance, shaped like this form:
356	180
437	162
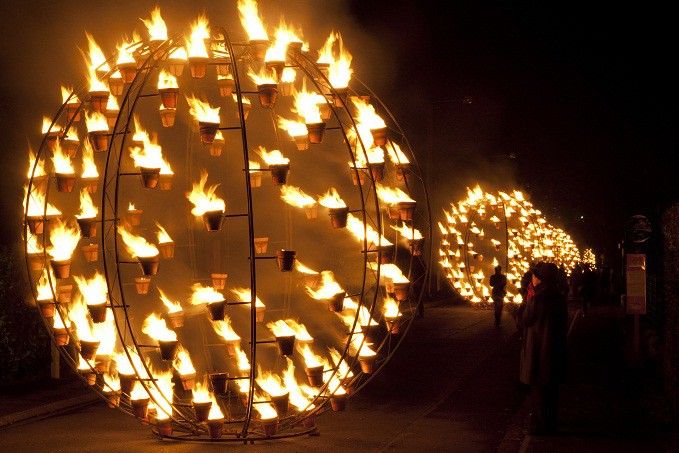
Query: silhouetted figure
526	280
498	281
588	288
543	355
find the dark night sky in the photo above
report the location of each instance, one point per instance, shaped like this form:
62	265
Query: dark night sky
582	96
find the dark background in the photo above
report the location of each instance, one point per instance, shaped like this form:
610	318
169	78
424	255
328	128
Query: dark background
574	103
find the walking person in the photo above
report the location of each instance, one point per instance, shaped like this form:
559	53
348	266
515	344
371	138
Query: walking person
498	281
543	354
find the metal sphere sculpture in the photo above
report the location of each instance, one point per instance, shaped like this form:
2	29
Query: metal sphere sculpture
220	329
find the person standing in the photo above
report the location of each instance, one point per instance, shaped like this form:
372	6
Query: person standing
543	354
498	281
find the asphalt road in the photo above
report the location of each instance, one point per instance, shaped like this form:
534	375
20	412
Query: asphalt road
451	386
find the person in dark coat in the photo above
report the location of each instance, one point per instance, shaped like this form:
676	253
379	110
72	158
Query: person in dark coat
498	281
543	355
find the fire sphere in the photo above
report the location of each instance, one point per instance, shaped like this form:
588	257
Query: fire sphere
184	287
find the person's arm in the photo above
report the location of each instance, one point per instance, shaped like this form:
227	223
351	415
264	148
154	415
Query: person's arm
530	313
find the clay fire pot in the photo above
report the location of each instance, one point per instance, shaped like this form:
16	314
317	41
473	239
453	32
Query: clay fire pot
202	410
216	148
286	344
255	179
218	382
246	111
98	100
370	331
258	48
326	111
218	280
64	293
392	211
90	184
91	252
126	381
357	176
111	117
40	183
198	67
116	85
113	398
102	363
140	408
65	182
226	87
314	375
88	227
402	170
207	131
167	117
387	254
393	324
134	217
270	426
367	364
376	170
164	427
97	312
302	142
339	97
61	336
268	93
336	302
166	250
281	403
62	269
128	71
406	209
36	224
168	96
279	173
175	67
70	146
47	308
217	310
338	217
261	245
222	66
149	177
165	181
285	260
401	291
311	211
36	261
73	112
142	284
338	402
175	319
98	140
316	131
309	421
215	428
188	381
285	88
277	67
379	136
168	349
213	220
53	139
88	349
149	264
259	313
415	246
89	376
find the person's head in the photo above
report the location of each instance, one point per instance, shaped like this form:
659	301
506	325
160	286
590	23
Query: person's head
546	273
498	269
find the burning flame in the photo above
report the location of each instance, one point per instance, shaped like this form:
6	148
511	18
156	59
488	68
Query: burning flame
251	21
390	308
205	295
182	363
280	328
166	80
245	295
89	168
292	127
96	122
205	200
131	365
297	395
242	360
64	240
137	246
332	199
196	42
392	195
172	307
139	392
301	268
325	55
360	346
396	155
112	382
96	60
125	50
202	111
163	236
390	271
339	73
40	167
301	332
215	411
273	157
37	203
93	290
156	26
408	232
365	114
306	105
264	77
289	75
266	410
294	196
62	162
87	208
43	287
150	156
311	359
155	327
364	232
178	54
105	332
201	394
329	287
271	383
162	395
77	313
69	96
225	330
